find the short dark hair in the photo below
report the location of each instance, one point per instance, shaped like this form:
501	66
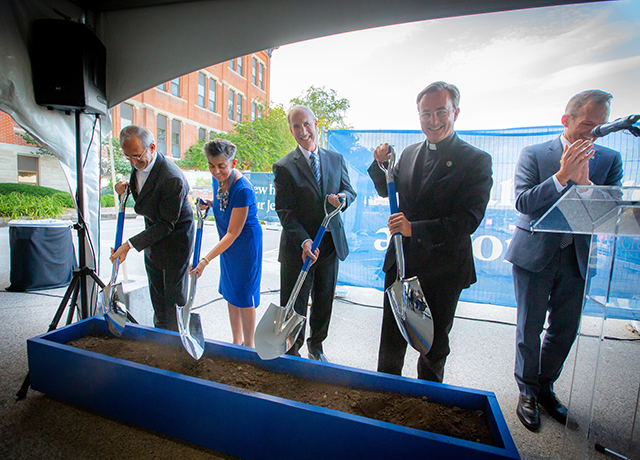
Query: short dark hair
454	92
219	147
579	100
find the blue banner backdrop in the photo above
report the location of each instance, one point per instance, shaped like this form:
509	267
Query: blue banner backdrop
366	218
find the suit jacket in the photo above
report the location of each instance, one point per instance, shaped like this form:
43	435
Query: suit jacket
163	201
300	201
536	193
444	203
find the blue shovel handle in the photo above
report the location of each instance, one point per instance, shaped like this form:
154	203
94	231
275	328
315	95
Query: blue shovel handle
314	246
119	230
120	222
393	198
198	244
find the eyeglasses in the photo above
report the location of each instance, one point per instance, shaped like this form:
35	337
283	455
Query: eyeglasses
440	113
135	157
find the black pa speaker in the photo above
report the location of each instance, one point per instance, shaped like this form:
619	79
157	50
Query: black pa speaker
68	63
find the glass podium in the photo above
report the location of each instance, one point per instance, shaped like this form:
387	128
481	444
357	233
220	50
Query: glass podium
605	371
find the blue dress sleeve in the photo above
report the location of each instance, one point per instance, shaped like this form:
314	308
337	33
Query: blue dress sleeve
244	196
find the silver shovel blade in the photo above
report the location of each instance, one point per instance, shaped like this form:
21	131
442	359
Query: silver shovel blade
189	324
275	334
115	311
191	335
412	313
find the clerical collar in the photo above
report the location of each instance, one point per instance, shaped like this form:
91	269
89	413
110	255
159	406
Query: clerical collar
442	145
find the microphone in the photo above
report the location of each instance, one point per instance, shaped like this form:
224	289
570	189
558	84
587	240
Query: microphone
616	125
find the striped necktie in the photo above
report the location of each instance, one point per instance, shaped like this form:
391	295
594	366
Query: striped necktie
315	168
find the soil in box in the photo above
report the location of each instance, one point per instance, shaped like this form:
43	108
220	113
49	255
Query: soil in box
400	409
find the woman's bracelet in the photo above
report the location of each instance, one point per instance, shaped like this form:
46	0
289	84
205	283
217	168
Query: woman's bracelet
205	260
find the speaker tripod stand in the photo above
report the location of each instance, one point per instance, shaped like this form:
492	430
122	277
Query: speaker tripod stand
78	285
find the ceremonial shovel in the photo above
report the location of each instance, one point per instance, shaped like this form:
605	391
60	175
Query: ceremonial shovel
279	327
407	300
115	311
189	324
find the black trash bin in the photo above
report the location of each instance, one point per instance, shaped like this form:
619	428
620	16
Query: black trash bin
42	254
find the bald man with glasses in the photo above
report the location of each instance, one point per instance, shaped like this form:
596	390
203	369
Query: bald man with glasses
160	191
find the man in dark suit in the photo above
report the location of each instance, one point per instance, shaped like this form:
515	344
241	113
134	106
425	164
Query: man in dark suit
549	269
443	187
303	178
160	191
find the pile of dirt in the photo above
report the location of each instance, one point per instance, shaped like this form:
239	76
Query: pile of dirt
399	409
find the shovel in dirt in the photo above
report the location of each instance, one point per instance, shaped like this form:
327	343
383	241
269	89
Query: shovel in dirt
406	297
279	327
189	324
115	311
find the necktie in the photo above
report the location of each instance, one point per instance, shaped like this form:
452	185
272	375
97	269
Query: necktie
566	240
315	168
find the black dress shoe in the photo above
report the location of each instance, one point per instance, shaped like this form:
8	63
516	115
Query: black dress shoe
557	410
318	356
528	412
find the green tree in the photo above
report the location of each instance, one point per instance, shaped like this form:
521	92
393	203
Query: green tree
260	143
194	158
121	165
31	141
328	108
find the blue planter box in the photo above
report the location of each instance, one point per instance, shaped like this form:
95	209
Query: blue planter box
218	416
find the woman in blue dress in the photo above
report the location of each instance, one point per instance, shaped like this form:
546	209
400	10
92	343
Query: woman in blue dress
240	245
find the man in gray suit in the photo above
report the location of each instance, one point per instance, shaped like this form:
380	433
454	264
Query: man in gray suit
302	179
160	191
549	269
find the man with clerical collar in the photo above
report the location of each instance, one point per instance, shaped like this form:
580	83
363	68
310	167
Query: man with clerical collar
160	191
443	186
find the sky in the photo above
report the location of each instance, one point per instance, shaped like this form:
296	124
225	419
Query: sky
513	69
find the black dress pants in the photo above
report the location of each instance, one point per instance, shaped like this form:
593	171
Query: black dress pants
442	294
321	284
167	287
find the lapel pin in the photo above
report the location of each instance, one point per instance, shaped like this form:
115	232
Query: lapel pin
449	164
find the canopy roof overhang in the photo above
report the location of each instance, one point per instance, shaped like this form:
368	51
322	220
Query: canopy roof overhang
152	41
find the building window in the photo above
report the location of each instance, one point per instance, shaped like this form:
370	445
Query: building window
161	87
239	62
202	134
212	95
231	104
254	72
201	89
232	64
161	141
175	138
256	110
257	73
126	115
28	170
239	107
175	87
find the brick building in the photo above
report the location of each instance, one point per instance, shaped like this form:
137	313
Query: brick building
179	112
197	105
